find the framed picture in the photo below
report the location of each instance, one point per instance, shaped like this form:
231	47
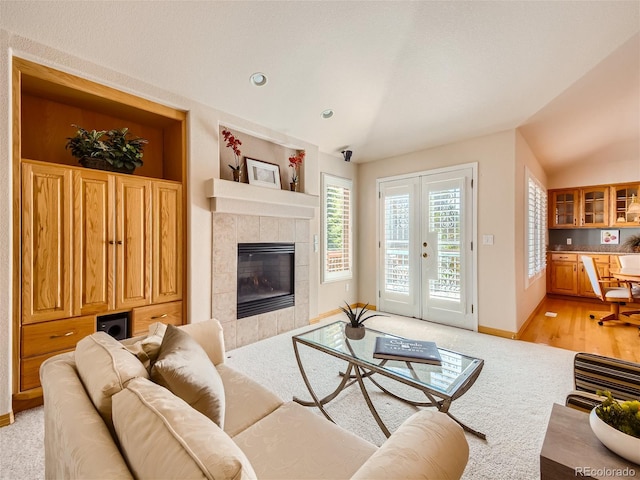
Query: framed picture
263	174
609	237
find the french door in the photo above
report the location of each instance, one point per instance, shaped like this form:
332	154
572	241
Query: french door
427	262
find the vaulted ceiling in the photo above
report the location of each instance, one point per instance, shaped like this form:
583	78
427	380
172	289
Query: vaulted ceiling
400	76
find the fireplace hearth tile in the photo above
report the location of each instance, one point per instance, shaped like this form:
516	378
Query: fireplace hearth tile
268	229
267	325
302	273
286	230
302	230
301	315
225	306
247	331
302	253
224	282
286	320
302	292
248	228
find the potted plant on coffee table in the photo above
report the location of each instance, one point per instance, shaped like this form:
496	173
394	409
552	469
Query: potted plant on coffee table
355	330
112	150
617	426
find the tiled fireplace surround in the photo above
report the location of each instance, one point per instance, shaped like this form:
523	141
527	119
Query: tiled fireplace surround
229	230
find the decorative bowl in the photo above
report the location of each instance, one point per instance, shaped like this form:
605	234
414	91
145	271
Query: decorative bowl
627	446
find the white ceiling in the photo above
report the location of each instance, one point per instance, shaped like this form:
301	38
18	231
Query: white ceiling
400	76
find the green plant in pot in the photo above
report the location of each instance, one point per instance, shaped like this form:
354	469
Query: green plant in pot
113	150
617	425
633	243
354	330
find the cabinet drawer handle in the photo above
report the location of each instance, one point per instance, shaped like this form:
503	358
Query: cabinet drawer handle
164	315
68	334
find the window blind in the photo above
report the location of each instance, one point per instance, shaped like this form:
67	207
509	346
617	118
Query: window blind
536	227
337	212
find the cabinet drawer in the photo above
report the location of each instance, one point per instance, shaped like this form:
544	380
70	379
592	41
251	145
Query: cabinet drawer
142	317
600	258
30	370
55	336
564	257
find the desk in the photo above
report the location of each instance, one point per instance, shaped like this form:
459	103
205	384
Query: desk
570	444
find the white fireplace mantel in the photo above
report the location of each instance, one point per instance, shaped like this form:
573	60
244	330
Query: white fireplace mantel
244	199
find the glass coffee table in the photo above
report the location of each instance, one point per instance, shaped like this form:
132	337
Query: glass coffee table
441	384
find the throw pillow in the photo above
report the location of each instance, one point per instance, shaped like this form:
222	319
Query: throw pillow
148	348
105	367
184	368
161	437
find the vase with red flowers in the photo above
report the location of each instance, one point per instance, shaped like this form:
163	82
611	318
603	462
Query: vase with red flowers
294	162
233	142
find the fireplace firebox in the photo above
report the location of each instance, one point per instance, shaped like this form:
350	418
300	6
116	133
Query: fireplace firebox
265	277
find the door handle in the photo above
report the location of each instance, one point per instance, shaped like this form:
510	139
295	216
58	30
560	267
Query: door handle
424	255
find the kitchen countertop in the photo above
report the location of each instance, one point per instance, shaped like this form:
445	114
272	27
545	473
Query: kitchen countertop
610	249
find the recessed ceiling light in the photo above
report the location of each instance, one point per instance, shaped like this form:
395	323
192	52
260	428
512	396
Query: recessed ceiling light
328	113
259	79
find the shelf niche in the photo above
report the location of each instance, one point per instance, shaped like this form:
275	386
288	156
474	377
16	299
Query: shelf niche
258	149
51	101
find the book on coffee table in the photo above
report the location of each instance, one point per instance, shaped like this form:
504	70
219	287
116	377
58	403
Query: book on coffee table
406	350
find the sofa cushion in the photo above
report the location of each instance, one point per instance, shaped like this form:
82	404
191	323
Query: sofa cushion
272	446
429	444
184	368
246	400
210	336
147	348
105	367
162	437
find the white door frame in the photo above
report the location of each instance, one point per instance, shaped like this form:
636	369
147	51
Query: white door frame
473	236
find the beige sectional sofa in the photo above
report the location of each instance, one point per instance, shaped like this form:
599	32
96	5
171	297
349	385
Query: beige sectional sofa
105	418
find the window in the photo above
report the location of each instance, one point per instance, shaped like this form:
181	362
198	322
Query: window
536	227
336	225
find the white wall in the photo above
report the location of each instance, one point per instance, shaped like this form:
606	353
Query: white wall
332	295
585	173
496	214
527	296
203	164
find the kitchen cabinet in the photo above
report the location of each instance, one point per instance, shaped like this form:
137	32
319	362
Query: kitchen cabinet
564	208
564	273
586	207
621	197
594	207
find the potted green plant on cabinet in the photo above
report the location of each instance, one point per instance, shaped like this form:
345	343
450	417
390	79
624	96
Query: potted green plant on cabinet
112	150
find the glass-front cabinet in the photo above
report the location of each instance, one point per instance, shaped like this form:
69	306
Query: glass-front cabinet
594	207
621	198
563	208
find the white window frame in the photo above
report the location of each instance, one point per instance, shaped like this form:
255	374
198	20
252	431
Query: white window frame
535	225
329	180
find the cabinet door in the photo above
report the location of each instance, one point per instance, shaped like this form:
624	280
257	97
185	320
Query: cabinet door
594	207
584	283
564	274
621	197
563	208
133	242
166	279
94	242
46	242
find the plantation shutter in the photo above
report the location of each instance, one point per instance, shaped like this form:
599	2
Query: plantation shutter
337	212
536	227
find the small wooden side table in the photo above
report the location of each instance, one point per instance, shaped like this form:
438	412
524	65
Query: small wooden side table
571	450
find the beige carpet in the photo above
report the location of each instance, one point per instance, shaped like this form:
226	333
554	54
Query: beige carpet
511	400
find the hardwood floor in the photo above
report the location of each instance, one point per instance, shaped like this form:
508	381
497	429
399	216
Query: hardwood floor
572	329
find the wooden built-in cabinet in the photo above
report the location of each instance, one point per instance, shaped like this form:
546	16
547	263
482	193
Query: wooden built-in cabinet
593	207
90	242
567	276
584	207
